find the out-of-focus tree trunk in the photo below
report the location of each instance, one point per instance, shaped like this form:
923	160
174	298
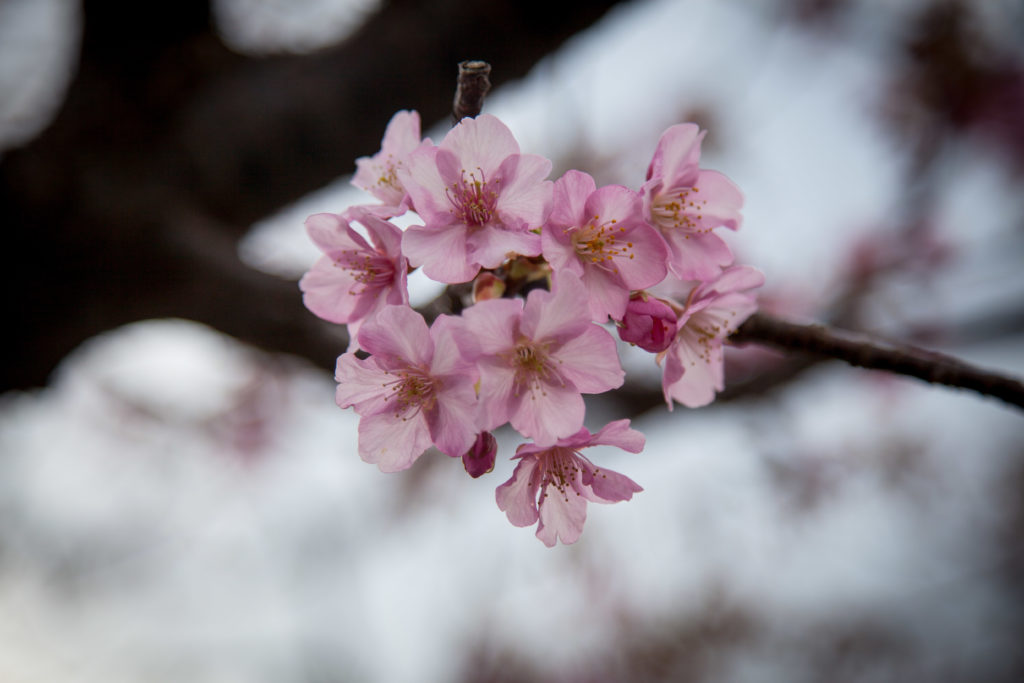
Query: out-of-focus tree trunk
169	146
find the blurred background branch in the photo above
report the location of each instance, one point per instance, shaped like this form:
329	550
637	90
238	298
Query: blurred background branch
163	123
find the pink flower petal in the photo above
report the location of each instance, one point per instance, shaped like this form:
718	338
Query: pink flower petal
490	246
699	371
452	423
497	393
721	201
562	516
517	497
328	294
696	256
619	434
556	315
385	235
608	486
392	443
494	322
607	295
570	197
549	413
330	232
425	186
590	361
677	155
455	347
482	142
442	253
526	194
644	266
378	174
358	383
398	332
559	251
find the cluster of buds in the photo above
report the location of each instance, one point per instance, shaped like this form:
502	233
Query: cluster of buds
645	262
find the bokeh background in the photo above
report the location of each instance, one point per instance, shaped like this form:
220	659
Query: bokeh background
181	500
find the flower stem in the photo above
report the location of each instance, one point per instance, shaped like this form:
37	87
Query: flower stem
875	354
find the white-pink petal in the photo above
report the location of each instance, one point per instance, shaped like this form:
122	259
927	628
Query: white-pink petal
482	142
358	383
441	252
547	413
391	442
517	497
590	361
618	433
493	322
696	256
562	516
398	332
677	155
556	315
525	194
693	372
490	245
452	421
570	197
720	201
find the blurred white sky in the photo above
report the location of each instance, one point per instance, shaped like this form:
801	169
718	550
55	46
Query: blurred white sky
176	509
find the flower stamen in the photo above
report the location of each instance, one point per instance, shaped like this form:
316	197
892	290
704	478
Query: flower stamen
472	199
600	243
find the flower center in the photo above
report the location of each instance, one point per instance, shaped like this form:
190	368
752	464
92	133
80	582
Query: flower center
561	466
602	243
369	270
472	199
678	208
413	391
388	174
706	332
533	367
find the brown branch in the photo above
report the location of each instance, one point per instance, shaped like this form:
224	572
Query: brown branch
937	368
473	84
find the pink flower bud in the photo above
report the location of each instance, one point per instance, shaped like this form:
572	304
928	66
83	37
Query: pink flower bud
649	323
487	286
479	459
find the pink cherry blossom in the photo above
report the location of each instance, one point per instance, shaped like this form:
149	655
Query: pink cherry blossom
552	484
379	174
479	199
536	360
416	389
353	280
649	322
694	362
600	235
686	203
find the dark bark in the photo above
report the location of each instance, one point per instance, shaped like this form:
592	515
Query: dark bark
930	366
169	146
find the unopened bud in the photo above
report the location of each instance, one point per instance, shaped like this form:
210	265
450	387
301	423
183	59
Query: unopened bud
487	286
479	459
649	323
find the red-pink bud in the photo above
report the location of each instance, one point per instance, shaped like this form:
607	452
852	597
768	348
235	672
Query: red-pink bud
479	459
487	286
649	323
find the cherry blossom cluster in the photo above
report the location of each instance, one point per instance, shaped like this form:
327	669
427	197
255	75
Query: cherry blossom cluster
554	267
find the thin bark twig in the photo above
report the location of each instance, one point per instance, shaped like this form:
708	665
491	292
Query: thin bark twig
930	366
473	84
